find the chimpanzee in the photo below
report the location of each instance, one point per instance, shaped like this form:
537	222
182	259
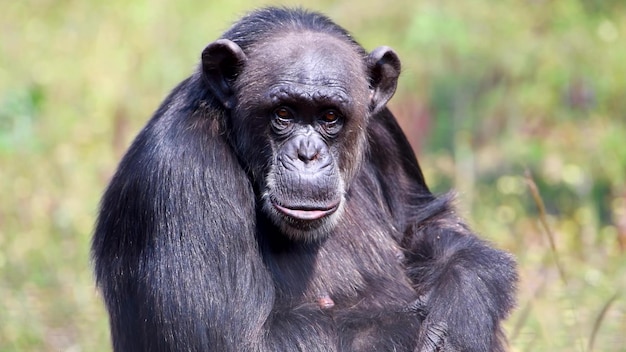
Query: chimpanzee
272	203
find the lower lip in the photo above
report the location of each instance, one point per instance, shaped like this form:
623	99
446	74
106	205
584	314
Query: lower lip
308	215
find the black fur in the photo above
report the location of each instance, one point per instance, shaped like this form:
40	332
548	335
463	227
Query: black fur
188	259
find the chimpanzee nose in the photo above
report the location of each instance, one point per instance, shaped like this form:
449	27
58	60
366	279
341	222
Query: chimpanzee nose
308	149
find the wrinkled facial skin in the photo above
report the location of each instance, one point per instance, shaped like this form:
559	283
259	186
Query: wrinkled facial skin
301	116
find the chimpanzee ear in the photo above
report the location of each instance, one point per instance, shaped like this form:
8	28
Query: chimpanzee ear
384	68
221	63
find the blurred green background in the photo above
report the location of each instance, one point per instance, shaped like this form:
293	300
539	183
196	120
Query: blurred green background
518	105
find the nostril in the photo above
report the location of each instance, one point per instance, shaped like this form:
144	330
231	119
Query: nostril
307	157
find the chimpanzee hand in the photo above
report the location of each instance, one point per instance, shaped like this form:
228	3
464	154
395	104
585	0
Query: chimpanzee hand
433	335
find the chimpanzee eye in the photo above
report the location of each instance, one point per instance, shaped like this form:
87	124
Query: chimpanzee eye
330	116
283	117
332	121
282	113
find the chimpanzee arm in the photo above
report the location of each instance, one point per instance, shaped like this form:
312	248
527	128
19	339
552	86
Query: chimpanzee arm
467	287
174	249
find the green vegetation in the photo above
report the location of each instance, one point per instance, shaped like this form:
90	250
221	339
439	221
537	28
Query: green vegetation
517	104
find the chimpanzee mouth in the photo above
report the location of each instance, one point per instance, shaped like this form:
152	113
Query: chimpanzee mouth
305	212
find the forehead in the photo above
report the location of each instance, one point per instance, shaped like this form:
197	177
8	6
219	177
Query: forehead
308	58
